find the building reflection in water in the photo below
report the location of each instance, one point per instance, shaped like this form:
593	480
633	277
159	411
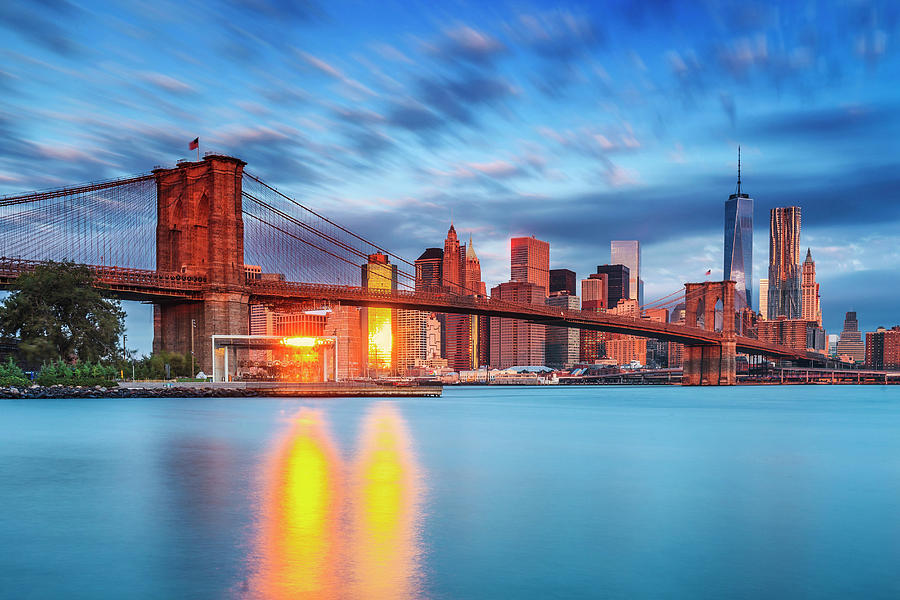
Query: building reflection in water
299	544
386	497
330	533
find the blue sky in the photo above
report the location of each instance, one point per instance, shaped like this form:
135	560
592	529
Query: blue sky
576	122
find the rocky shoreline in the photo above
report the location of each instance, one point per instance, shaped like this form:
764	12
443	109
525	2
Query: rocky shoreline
231	390
65	391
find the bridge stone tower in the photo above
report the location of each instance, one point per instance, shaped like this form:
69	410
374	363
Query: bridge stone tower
200	232
706	364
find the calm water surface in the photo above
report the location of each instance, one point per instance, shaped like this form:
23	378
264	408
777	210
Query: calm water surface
600	492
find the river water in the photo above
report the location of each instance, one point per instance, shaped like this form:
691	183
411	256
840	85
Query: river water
488	492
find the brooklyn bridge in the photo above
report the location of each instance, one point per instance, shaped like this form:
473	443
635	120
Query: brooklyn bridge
180	238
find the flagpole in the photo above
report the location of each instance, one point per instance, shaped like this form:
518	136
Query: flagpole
198	151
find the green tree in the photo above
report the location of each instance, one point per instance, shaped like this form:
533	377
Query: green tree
11	374
57	314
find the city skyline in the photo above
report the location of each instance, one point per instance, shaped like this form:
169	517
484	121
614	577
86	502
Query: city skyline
564	124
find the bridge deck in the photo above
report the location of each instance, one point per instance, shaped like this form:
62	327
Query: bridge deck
154	286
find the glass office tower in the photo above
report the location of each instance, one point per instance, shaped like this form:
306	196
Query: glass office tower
739	244
628	253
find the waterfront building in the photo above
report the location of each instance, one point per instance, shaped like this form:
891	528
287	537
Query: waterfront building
624	348
412	340
628	253
562	280
784	263
344	324
379	323
530	261
515	342
593	298
657	350
764	298
563	343
883	349
798	334
832	344
850	344
675	349
617	283
809	291
429	270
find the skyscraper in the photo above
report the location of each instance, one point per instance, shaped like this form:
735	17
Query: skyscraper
563	343
429	269
809	291
474	284
628	253
593	298
515	342
461	274
850	343
739	244
764	298
453	270
594	291
530	261
562	280
784	263
618	283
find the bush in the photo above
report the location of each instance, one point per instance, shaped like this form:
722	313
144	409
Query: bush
12	375
85	373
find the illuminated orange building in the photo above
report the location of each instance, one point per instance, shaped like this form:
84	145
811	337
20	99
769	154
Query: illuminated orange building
530	261
379	274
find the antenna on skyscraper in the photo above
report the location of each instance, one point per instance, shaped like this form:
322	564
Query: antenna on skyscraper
739	170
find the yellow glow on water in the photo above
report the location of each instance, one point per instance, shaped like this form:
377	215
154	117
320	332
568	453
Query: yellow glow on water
326	531
386	509
300	535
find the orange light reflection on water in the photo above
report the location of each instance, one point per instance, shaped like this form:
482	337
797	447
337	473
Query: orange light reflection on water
324	535
300	537
386	509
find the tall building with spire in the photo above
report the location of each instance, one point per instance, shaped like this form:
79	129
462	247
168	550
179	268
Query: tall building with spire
809	291
453	269
784	263
474	284
739	243
461	274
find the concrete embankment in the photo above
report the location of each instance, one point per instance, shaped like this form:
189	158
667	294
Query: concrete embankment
155	389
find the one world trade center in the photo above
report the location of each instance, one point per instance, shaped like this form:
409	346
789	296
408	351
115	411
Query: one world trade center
739	244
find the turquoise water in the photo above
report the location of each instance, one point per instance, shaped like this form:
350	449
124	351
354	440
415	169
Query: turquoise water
588	492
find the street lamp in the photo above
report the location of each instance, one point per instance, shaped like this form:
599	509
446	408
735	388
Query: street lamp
193	326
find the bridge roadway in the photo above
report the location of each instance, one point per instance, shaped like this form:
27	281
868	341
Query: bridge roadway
279	291
160	287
